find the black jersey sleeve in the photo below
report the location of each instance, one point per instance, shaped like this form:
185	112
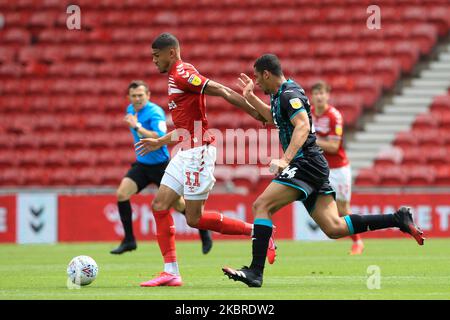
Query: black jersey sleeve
293	101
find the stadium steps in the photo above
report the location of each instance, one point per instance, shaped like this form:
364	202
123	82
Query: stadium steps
399	115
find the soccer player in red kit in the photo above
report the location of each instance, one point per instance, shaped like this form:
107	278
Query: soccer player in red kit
329	131
190	173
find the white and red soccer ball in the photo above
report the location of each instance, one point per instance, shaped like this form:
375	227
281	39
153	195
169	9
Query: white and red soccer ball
82	270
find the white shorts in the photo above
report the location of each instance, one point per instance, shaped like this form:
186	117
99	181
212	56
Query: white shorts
190	173
341	182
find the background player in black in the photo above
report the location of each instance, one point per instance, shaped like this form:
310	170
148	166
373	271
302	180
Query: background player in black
301	174
146	120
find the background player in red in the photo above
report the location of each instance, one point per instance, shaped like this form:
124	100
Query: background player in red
190	173
329	131
145	119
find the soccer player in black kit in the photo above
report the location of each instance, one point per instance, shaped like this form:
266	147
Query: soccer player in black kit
301	174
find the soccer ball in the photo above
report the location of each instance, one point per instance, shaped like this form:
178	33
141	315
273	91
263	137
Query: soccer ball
82	270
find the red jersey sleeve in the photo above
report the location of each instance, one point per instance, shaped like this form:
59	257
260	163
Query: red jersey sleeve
190	80
336	125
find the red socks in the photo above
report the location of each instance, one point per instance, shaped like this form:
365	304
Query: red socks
355	237
165	234
219	223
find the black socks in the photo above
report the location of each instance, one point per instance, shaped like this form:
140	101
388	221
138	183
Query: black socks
260	238
359	223
126	218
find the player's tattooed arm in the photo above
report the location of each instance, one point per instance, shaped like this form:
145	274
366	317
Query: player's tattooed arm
247	87
216	89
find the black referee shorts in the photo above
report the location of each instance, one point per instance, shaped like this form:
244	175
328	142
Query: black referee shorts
145	174
309	175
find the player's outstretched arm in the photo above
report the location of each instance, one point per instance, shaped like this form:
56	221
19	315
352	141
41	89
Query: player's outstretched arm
247	87
216	89
147	145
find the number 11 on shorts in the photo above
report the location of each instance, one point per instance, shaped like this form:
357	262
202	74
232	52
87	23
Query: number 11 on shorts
196	179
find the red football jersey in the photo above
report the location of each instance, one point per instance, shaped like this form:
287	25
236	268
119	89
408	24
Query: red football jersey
330	125
187	101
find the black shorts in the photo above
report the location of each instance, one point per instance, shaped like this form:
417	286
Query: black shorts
309	175
145	174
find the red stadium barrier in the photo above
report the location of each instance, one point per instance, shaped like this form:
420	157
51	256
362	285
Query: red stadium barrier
7	218
431	211
95	217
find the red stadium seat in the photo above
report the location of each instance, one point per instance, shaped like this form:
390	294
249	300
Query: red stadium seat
55	159
8	158
367	177
111	175
87	176
11	176
95	122
75	140
425	121
413	156
106	157
50	140
388	69
6	141
42	19
439	16
388	156
420	175
26	141
441	103
126	156
36	177
442	177
436	155
444	133
73	84
444	119
62	177
391	176
428	137
425	35
408	53
16	35
80	158
405	139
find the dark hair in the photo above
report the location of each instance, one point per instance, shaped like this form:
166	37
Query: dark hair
270	63
137	83
319	85
165	40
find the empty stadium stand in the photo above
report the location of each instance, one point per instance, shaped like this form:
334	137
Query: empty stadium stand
63	92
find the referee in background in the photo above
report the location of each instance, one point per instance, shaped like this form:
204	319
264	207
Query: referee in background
146	120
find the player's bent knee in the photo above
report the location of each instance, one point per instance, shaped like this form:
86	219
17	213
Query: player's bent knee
158	205
260	206
335	231
122	195
192	221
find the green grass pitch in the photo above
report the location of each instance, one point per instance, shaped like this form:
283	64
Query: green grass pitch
303	270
